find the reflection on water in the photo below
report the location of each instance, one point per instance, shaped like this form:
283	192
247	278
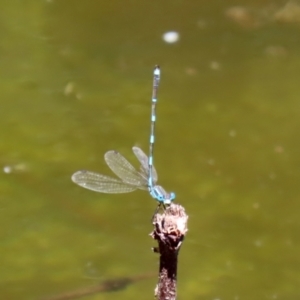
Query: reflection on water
76	79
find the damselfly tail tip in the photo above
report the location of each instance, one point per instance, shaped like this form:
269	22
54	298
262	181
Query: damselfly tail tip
156	70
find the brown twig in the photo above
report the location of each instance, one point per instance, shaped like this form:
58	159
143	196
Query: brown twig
170	229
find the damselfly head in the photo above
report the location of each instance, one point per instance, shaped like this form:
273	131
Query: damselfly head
159	193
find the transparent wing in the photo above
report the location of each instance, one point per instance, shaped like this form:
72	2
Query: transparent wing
101	183
143	159
124	169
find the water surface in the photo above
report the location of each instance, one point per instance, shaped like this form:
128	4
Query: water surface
76	81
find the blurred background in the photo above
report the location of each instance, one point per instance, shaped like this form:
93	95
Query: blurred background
76	81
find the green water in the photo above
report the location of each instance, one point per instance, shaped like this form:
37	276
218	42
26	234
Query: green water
76	81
